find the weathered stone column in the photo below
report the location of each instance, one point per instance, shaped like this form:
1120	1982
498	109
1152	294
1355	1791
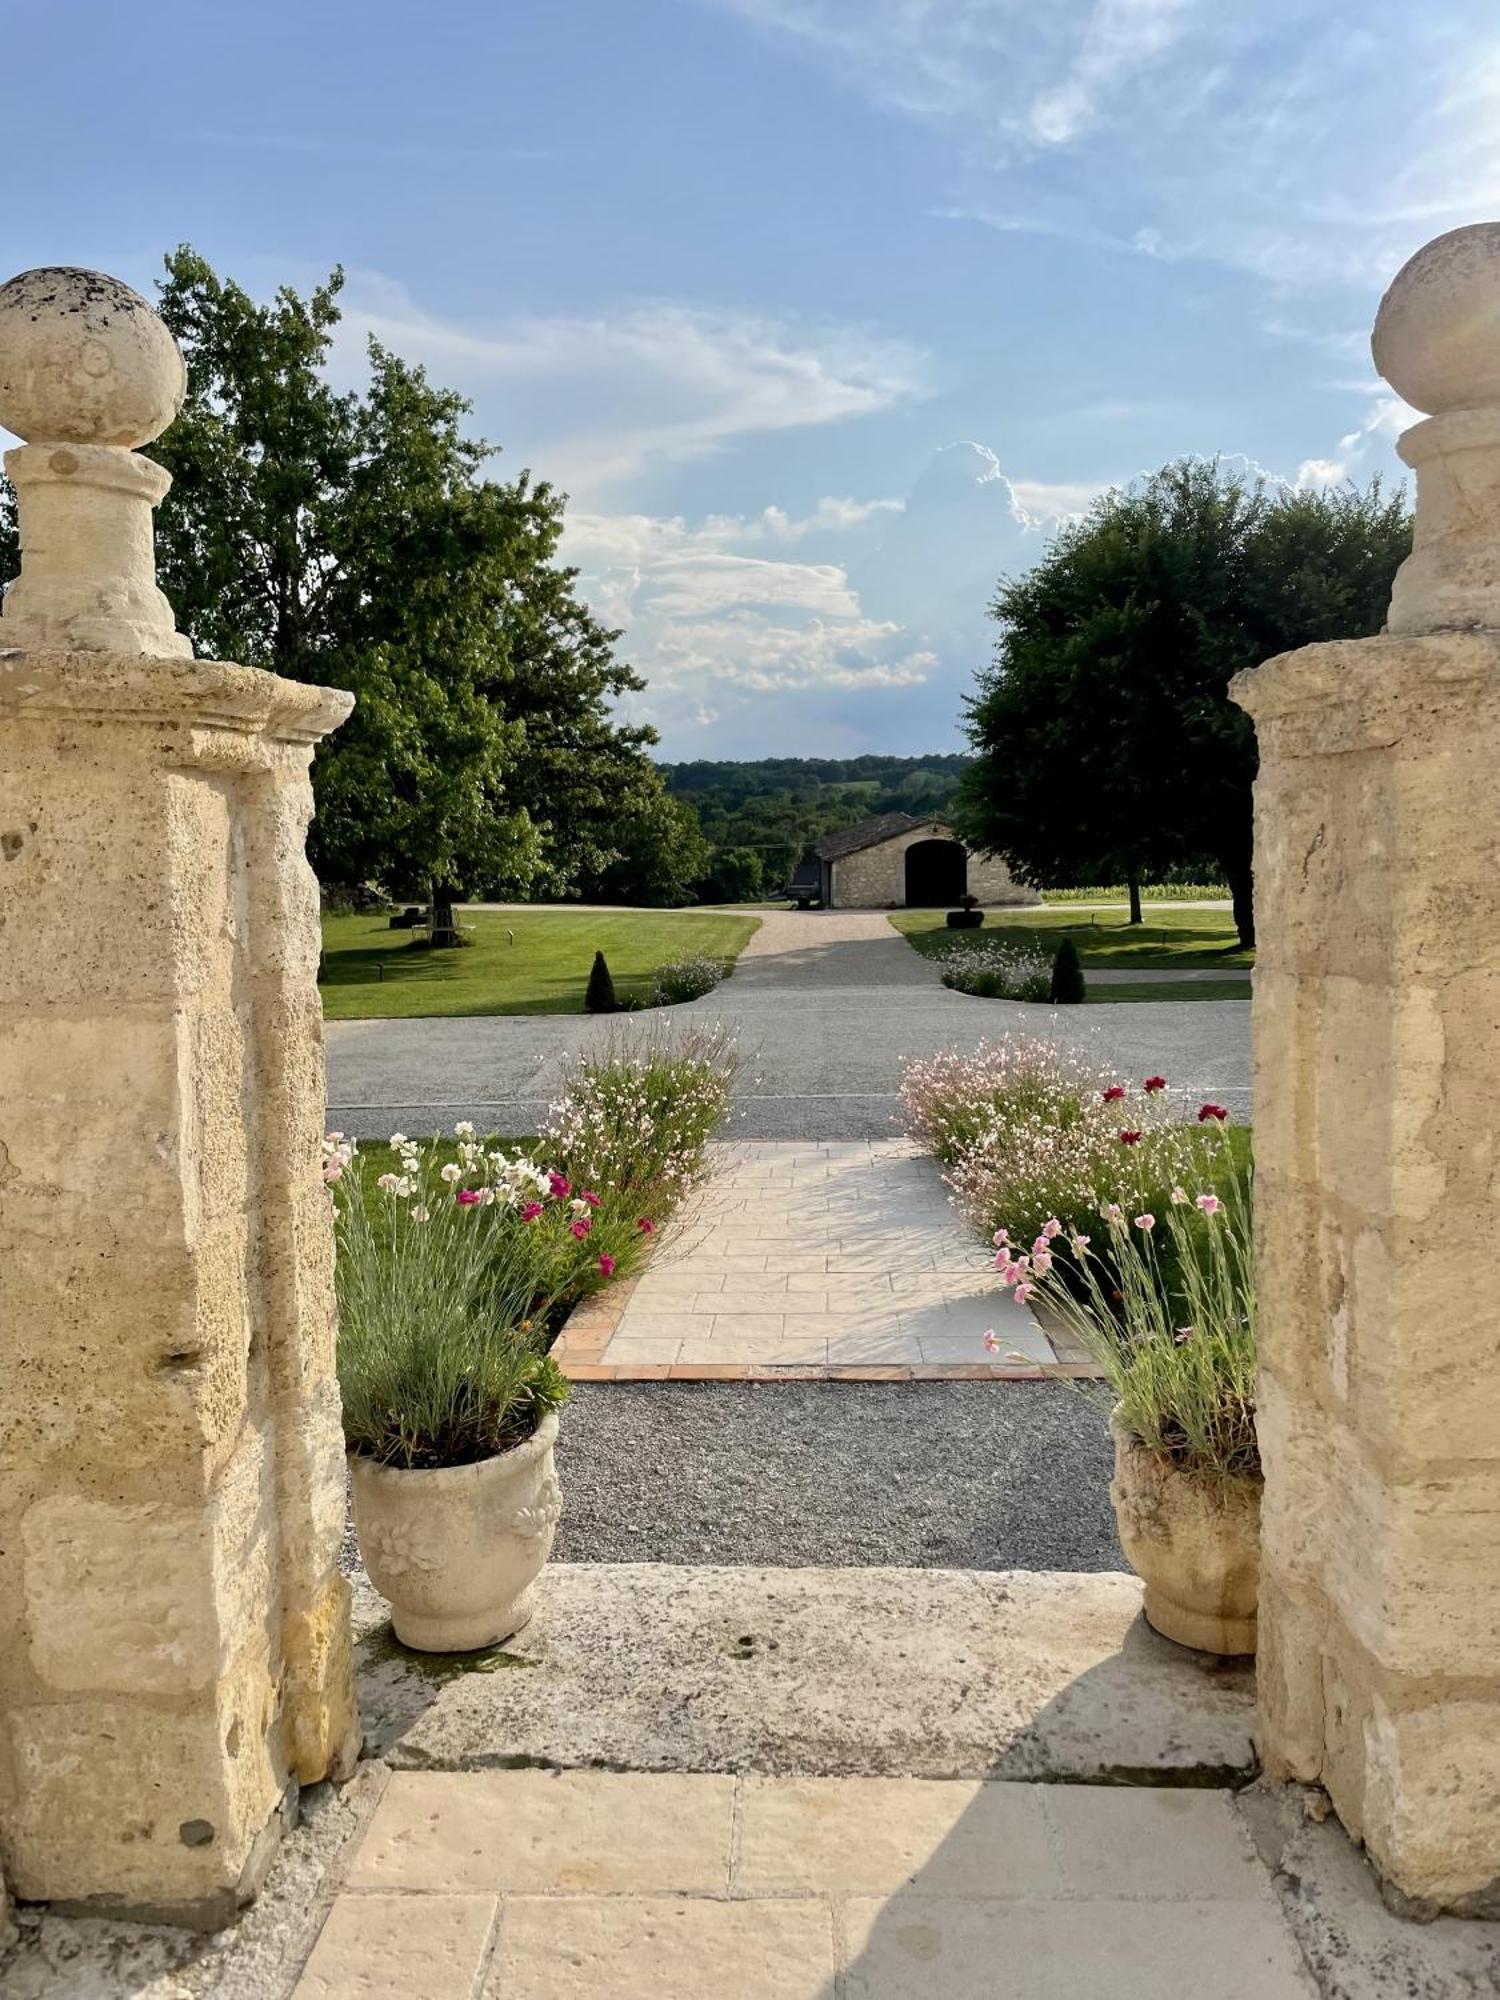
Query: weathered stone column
174	1639
1377	1148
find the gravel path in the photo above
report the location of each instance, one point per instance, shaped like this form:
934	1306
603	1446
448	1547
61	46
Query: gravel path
921	1475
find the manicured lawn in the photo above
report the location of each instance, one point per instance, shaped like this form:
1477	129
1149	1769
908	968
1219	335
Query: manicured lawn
1172	989
1172	940
521	962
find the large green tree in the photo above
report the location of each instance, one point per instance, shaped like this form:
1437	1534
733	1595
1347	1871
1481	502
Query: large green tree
1107	745
356	539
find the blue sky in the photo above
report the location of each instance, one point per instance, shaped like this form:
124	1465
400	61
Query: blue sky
822	311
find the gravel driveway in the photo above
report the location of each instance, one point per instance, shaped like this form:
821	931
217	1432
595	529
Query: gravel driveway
920	1475
829	1005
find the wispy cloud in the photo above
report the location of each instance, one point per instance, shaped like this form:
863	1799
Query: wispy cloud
1312	143
612	394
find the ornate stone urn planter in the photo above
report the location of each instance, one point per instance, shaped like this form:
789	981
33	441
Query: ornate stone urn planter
457	1551
1194	1541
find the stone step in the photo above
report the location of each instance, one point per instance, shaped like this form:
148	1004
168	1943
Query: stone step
1049	1676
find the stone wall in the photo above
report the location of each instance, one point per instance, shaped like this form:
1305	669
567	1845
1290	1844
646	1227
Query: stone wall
874	878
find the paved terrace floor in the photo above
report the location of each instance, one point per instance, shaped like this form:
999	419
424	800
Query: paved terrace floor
837	1258
577	1885
828	1004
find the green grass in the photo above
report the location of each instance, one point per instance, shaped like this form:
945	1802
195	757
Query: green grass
371	971
1171	989
1169	941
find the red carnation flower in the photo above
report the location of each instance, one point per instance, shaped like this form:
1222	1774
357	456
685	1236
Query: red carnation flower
1207	1111
1115	1092
560	1187
580	1228
590	1197
466	1197
607	1265
646	1226
1130	1138
531	1211
1154	1083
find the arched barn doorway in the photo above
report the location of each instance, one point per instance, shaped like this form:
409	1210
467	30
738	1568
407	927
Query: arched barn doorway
937	871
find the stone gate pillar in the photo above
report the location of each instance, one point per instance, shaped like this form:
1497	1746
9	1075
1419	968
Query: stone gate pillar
1377	1147
174	1637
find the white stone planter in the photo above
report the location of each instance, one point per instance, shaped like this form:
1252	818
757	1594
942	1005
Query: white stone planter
1195	1544
457	1551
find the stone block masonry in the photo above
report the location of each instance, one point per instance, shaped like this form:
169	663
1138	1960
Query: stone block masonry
174	1635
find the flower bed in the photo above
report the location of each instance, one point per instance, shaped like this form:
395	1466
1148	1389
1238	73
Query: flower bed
458	1264
686	979
998	971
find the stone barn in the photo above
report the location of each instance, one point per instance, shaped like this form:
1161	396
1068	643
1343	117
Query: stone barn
895	862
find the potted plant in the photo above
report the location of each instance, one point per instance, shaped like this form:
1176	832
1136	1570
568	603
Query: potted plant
446	1270
1165	1308
968	918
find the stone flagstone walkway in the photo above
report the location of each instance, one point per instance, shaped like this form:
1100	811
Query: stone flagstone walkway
587	1885
839	1259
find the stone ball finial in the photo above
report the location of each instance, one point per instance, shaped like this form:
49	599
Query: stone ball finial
1437	333
85	360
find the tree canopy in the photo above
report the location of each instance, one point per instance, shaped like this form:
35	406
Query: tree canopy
1107	746
356	538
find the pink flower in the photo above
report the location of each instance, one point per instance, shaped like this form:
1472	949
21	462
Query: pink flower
1001	1237
561	1188
607	1265
531	1211
1052	1227
1130	1138
646	1226
1078	1244
590	1197
1146	1222
1041	1263
1112	1212
1115	1092
1215	1111
1209	1203
991	1340
1154	1084
580	1229
467	1197
1023	1293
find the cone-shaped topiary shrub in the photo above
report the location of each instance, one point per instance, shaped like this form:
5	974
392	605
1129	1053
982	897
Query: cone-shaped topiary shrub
600	998
1067	976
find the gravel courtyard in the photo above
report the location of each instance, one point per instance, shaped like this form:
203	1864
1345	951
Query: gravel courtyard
828	1004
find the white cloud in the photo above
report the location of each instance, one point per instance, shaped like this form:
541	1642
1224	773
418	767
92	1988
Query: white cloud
1360	450
712	625
599	398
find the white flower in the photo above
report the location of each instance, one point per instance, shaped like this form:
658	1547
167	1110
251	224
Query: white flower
452	1172
399	1139
463	1129
388	1183
420	1214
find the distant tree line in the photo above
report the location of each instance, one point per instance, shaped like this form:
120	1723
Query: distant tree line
760	815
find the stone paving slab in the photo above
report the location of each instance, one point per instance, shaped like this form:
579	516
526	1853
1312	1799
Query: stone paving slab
833	1258
620	1886
827	1672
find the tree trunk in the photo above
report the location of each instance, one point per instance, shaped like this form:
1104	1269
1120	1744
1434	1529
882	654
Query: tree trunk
444	928
1240	877
1135	900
